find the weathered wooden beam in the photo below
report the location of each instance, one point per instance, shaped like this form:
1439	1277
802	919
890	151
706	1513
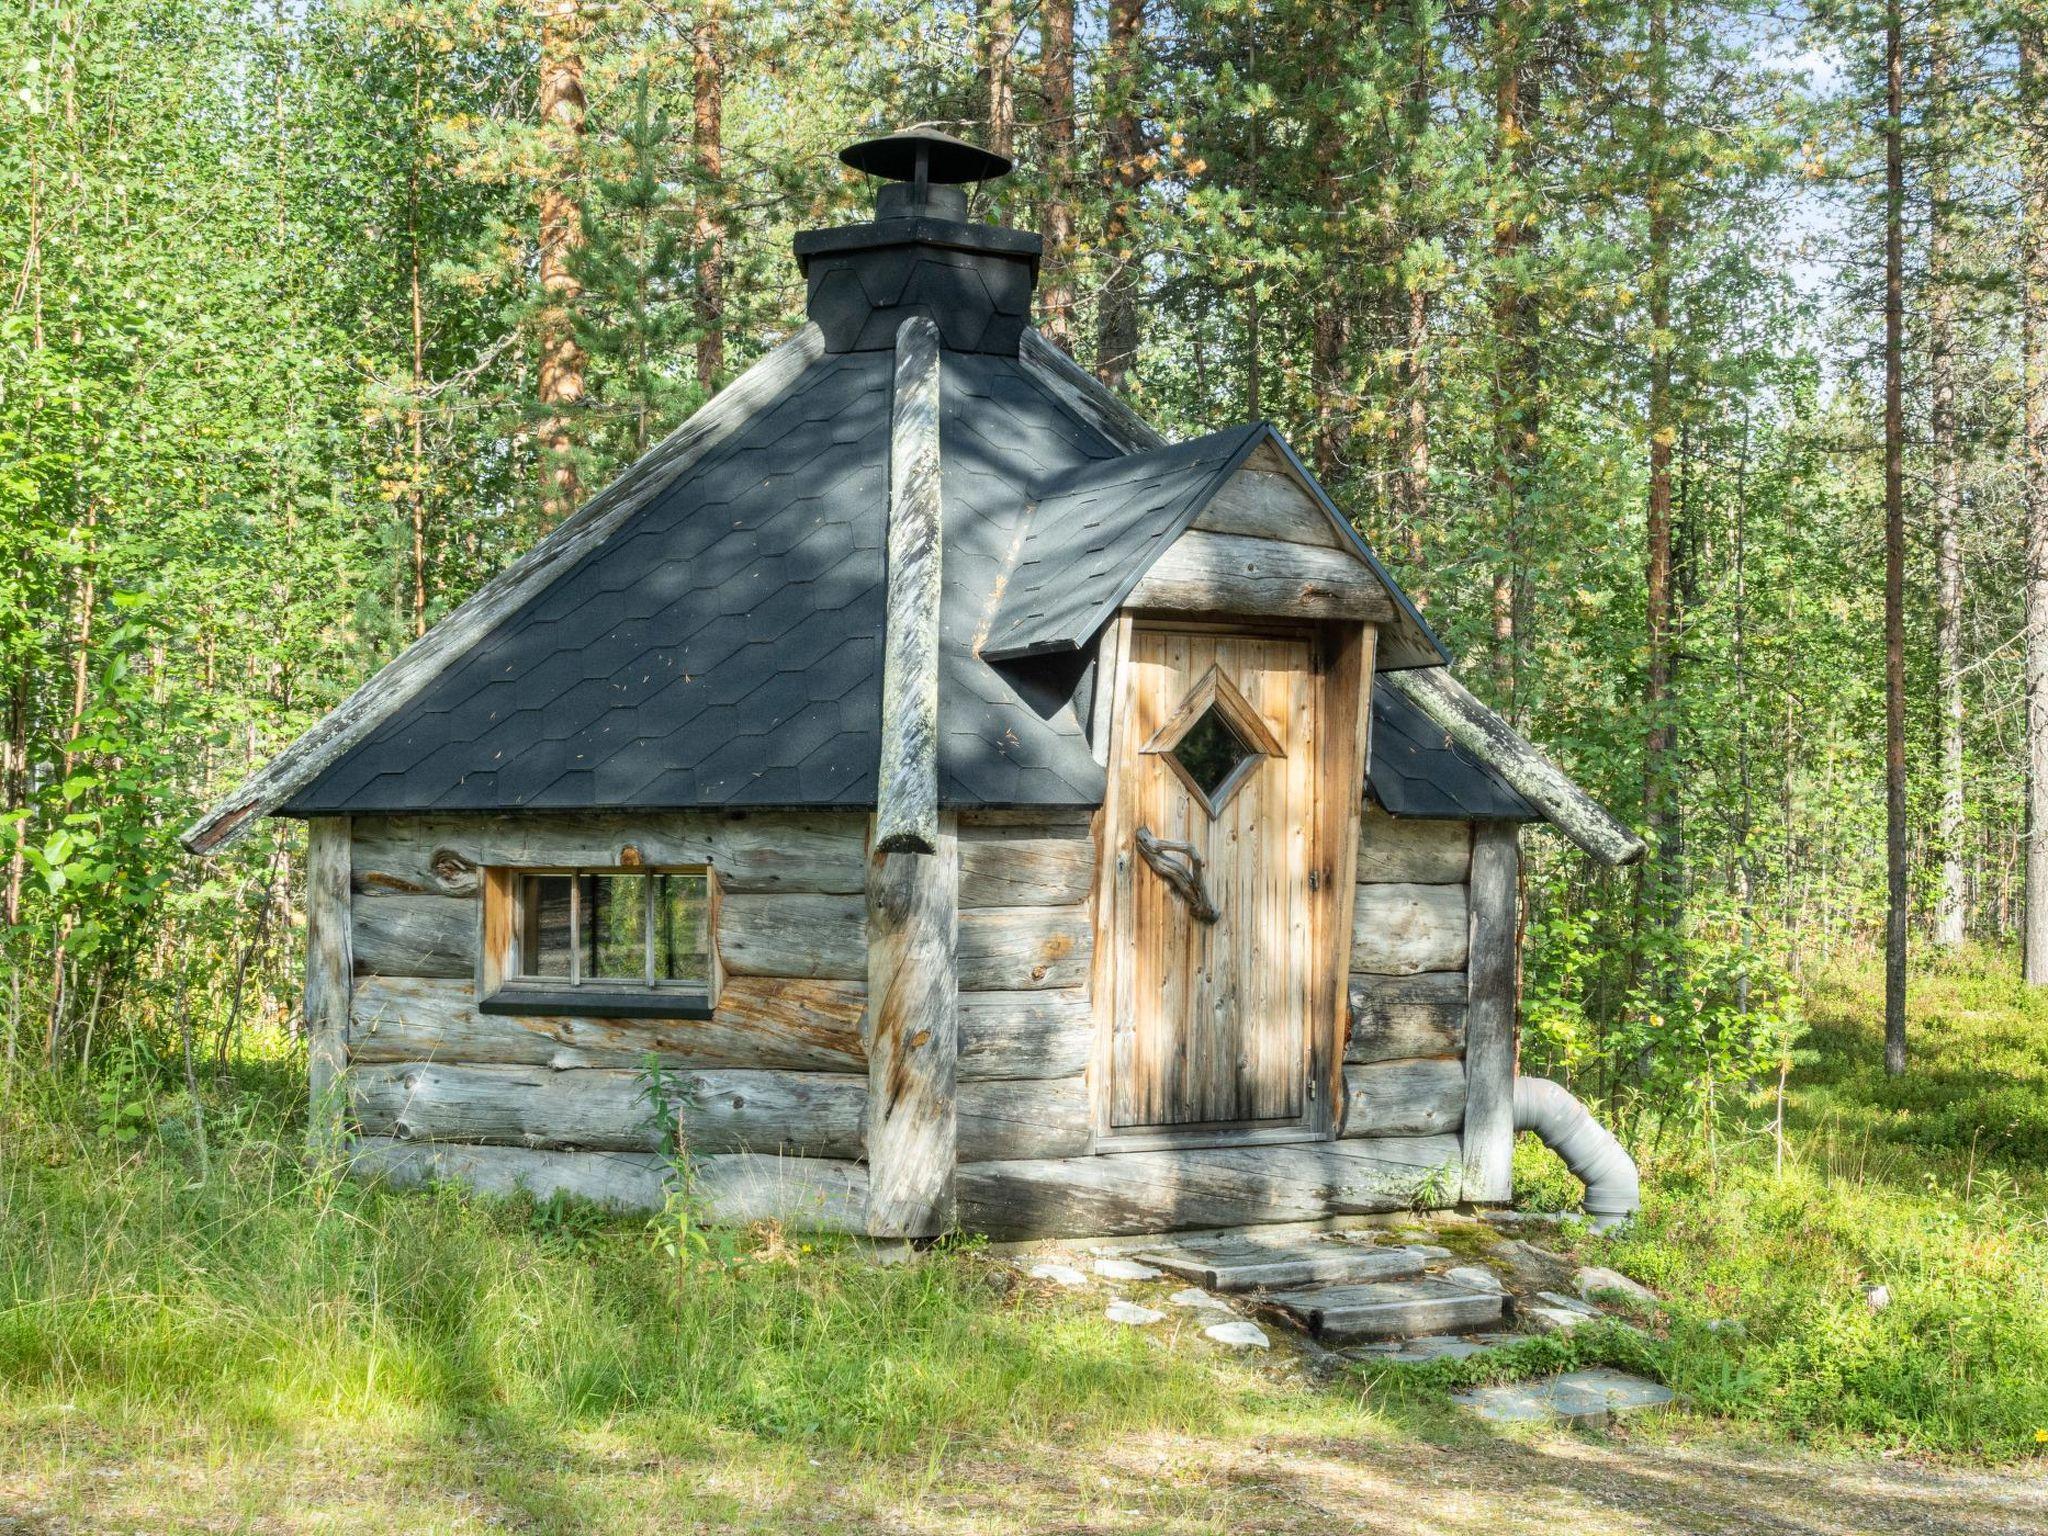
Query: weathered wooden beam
407	933
1084	395
1492	740
1347	744
1138	1192
913	1038
1404	1098
1397	930
716	1109
1006	1120
1016	867
1403	851
1490	1021
822	937
761	1022
907	797
399	682
1262	504
813	1194
1007	949
632	1181
1230	574
805	852
1393	1017
1031	1034
330	978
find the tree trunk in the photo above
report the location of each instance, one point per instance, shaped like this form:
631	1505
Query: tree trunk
1411	489
1658	741
1116	333
1894	548
706	131
1950	918
2033	43
1514	407
1056	71
1000	39
416	476
561	232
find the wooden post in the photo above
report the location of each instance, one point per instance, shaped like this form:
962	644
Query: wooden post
330	978
912	1034
907	794
1490	1015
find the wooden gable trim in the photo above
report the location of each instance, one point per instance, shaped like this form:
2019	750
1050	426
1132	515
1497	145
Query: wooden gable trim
415	668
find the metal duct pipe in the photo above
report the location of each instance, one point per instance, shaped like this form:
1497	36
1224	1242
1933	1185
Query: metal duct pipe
1567	1127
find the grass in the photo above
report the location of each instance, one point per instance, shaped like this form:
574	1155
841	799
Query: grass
237	1341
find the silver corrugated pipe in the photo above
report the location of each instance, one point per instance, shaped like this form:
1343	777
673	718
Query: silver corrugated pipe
1567	1127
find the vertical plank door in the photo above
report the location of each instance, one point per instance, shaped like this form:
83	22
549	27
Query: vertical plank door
1211	1019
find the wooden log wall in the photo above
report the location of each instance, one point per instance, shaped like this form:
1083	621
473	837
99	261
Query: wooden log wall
1404	1068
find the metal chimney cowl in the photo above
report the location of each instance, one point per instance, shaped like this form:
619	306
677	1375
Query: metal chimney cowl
920	255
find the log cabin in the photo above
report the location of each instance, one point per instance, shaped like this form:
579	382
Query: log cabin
917	796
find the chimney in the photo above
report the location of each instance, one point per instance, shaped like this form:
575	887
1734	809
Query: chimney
920	255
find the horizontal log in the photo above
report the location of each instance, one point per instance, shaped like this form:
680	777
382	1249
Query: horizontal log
1140	1192
720	1109
753	851
1398	930
1005	1120
1402	850
407	933
814	1194
1393	1017
1228	573
632	1181
1009	949
1404	1098
1265	504
1004	868
821	937
761	1022
1028	821
1042	1034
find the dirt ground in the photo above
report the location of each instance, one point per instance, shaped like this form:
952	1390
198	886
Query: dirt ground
71	1478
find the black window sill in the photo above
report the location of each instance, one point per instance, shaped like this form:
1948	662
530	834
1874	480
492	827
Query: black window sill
597	1003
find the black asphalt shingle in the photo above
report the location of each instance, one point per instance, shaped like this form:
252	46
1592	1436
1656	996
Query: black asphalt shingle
1417	770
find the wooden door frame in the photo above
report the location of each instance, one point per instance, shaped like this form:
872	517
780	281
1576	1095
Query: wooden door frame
1341	655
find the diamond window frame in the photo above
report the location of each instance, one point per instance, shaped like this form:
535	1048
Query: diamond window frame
1214	690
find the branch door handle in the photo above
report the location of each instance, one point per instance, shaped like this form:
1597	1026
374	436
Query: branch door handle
1180	866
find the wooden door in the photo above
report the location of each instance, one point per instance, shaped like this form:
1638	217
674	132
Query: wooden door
1216	752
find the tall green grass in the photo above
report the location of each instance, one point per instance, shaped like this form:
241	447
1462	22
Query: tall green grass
263	1295
1933	1186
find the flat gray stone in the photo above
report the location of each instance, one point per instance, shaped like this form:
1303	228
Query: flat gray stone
1058	1274
1553	1319
1236	1262
1238	1334
1131	1313
1593	1280
1199	1299
1390	1309
1567	1303
1474	1277
1578	1397
1125	1269
1533	1265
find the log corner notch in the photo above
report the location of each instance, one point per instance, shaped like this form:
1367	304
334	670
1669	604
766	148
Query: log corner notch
907	795
912	1031
1481	732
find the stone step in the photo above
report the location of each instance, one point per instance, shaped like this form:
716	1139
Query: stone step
1581	1397
1389	1309
1234	1263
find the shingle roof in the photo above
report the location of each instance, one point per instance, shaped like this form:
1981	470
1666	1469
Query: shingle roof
1096	531
723	646
1417	770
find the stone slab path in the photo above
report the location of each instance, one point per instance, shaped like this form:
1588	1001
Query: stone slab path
1577	1397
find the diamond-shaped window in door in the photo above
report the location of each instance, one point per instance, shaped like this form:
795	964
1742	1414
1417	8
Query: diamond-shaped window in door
1214	741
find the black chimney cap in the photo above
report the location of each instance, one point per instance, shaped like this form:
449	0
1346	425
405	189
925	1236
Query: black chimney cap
947	161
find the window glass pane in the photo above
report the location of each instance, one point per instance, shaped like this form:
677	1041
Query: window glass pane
615	927
1211	750
682	928
544	925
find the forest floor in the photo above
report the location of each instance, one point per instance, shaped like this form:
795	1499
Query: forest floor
234	1343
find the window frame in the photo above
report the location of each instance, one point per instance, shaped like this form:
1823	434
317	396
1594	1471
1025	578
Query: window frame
501	989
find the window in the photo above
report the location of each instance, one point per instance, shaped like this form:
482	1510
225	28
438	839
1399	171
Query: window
600	941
